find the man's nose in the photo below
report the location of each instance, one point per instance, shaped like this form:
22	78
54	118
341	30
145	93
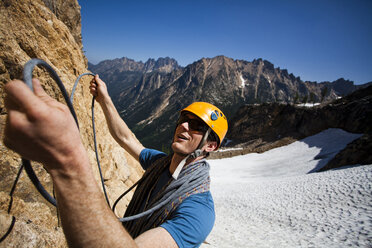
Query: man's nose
185	125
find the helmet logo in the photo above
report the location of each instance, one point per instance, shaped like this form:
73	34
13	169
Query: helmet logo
214	116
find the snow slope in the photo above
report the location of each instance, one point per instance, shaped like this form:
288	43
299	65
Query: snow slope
271	199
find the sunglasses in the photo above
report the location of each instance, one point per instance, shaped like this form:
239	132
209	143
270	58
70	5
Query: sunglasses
194	124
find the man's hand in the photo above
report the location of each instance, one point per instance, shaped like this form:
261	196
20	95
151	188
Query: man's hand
98	89
118	129
40	128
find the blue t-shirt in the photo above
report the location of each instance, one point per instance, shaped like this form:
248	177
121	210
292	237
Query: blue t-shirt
193	220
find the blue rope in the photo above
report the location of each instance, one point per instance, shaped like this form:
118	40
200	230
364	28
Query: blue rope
94	132
27	76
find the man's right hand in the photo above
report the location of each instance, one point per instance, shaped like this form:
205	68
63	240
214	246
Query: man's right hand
40	128
117	127
98	89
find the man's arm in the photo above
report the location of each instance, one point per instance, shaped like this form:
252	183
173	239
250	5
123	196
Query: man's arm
118	128
42	129
156	238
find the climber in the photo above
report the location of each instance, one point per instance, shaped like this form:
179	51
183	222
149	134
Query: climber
200	129
42	129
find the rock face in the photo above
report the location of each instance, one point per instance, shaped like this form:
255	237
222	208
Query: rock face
50	30
357	152
69	13
152	100
261	127
352	113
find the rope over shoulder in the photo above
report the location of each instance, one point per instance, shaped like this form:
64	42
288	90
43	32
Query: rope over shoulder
193	179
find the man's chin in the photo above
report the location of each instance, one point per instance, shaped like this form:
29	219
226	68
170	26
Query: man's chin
177	149
174	146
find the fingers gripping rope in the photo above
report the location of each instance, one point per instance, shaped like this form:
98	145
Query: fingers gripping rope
27	76
94	133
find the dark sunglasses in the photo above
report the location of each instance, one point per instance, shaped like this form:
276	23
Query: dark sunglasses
194	124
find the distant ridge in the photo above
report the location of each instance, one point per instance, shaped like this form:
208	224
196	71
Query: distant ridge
122	73
149	95
258	128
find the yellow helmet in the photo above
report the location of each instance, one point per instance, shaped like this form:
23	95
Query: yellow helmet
211	115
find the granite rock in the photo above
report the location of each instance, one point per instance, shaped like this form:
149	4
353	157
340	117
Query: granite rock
51	30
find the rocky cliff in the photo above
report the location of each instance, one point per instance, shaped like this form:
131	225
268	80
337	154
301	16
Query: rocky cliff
257	128
50	30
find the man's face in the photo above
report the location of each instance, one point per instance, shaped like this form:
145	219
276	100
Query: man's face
188	134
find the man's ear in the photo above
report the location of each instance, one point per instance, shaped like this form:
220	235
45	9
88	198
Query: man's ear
211	146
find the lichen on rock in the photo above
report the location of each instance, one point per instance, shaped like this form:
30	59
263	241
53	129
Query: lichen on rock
51	30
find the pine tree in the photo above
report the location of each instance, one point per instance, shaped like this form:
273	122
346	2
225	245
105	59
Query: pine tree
312	97
304	100
324	93
296	98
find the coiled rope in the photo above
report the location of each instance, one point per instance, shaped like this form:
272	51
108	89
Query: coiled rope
26	164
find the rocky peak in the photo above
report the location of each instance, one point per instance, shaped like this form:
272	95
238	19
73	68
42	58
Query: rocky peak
164	65
125	64
341	86
121	74
258	61
116	65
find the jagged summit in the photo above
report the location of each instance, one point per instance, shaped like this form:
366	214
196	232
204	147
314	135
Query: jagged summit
123	73
125	64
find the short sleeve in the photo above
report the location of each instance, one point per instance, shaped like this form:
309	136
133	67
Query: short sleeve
192	221
148	156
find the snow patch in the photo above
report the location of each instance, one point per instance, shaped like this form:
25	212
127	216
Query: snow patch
268	79
242	81
297	158
271	199
229	149
308	105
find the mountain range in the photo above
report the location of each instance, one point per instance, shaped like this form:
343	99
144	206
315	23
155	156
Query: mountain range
149	95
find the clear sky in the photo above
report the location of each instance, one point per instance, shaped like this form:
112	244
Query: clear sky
318	40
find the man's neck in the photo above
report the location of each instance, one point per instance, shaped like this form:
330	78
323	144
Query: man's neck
177	158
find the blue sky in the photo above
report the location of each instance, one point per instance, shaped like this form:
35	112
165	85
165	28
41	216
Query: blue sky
316	40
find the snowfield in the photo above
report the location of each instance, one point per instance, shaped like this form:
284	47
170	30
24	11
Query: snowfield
271	199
